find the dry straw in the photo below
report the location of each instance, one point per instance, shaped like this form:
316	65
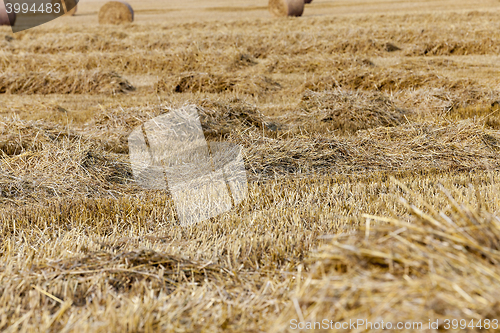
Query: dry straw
217	83
83	82
116	12
349	111
6	19
286	7
68	6
444	264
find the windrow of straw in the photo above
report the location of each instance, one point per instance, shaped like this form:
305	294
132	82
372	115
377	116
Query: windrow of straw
441	265
83	82
68	7
382	79
6	18
314	63
422	91
217	83
218	117
38	161
134	62
54	168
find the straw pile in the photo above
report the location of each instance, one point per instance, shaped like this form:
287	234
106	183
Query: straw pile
80	240
217	83
281	8
39	160
83	82
442	265
69	7
6	19
219	118
116	12
385	80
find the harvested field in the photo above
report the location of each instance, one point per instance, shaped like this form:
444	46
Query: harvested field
370	134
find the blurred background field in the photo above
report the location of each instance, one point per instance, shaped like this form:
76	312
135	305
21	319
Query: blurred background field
371	139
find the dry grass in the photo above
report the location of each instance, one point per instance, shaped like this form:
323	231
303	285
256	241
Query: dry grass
339	118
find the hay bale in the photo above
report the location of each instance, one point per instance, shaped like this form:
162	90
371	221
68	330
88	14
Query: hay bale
286	7
81	82
68	6
349	111
116	12
6	19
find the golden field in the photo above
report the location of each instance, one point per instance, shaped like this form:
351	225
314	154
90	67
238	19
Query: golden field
371	137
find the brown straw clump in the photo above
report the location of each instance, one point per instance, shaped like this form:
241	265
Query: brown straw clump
17	137
116	12
385	80
216	83
6	19
69	7
286	7
440	265
94	82
125	269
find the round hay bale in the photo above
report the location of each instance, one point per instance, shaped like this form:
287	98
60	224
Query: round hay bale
68	6
286	7
116	12
6	19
